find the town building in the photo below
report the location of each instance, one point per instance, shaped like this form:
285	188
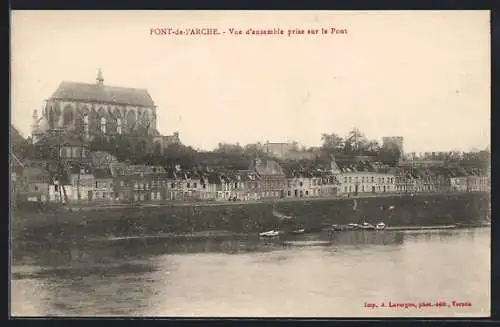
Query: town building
307	180
213	185
250	183
272	178
104	187
329	184
478	184
35	186
458	183
239	185
190	185
305	183
279	149
100	110
362	177
231	186
356	182
16	175
416	179
138	183
82	185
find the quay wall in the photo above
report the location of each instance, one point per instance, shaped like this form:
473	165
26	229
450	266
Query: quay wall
247	217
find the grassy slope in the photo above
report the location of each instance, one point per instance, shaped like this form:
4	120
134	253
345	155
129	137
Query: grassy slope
251	217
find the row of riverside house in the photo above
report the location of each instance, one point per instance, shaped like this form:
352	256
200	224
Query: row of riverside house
105	179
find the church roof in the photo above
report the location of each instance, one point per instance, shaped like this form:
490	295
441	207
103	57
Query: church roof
103	93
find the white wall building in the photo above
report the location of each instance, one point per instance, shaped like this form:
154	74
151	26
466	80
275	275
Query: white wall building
366	182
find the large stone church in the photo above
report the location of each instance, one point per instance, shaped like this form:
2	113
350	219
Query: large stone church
101	110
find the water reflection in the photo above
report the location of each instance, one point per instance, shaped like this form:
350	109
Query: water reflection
246	276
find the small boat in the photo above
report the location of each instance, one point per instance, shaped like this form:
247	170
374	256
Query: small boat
298	231
336	228
367	226
380	226
352	226
271	233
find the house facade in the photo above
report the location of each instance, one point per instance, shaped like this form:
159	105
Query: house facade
366	182
138	183
423	179
458	184
329	184
35	185
250	183
273	180
83	186
478	184
303	184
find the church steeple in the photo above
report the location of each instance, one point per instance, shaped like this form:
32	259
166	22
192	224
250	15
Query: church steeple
99	79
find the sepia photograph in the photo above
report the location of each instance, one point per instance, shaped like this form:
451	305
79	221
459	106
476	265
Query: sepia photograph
305	164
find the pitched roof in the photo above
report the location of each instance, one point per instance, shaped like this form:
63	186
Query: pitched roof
267	167
248	175
359	166
102	158
103	93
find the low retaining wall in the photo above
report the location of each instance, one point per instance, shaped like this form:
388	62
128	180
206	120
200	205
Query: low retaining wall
245	217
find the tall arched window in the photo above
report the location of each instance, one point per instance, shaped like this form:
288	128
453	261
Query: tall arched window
103	125
86	123
130	120
51	118
67	116
119	125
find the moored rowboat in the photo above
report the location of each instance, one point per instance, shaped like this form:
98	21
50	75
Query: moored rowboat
271	233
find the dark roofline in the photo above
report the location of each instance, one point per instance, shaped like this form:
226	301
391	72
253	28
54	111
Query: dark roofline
55	96
105	85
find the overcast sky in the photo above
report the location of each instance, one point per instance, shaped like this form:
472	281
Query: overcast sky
421	75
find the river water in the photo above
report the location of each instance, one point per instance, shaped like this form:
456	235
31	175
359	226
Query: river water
313	276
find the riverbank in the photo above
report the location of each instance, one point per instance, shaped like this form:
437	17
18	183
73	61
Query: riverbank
250	217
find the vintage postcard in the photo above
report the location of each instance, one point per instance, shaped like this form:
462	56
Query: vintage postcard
250	163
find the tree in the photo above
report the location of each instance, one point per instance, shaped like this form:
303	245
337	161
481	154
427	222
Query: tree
356	140
24	149
372	147
228	147
332	143
389	156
